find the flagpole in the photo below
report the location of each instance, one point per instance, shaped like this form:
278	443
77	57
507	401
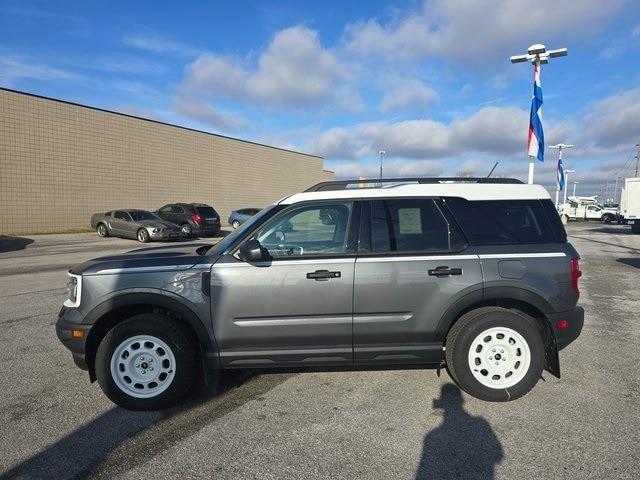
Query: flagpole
560	173
536	54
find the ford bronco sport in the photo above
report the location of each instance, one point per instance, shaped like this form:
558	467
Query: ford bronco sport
474	275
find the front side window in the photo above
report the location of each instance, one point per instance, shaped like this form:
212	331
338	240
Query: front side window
412	225
308	230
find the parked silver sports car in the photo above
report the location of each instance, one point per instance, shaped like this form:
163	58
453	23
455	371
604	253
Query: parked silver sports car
137	224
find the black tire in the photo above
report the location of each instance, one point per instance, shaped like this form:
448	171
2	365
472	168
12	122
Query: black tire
183	347
607	218
635	228
102	230
236	224
142	235
471	325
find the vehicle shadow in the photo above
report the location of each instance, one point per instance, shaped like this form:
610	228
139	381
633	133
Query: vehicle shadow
608	228
11	244
632	262
118	439
463	446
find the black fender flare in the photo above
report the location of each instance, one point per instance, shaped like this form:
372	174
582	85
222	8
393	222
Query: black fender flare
496	294
162	300
485	295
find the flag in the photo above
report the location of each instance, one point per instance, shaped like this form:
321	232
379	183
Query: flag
560	175
536	135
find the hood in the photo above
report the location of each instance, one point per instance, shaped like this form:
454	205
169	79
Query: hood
150	259
159	224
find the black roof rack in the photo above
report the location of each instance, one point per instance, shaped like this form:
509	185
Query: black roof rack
376	183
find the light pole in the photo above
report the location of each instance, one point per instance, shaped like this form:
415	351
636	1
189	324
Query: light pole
574	188
559	147
537	54
566	182
382	154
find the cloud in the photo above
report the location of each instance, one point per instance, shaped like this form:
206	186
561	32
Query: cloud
391	169
614	122
494	130
203	112
477	32
158	44
410	93
294	72
17	68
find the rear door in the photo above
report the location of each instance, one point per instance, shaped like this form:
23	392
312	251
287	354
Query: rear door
297	307
413	264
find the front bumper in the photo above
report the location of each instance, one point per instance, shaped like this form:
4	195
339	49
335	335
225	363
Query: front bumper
567	326
170	235
70	320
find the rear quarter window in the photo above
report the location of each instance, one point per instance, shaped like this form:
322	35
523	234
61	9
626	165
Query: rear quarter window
501	222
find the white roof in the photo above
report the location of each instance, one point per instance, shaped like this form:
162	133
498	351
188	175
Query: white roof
469	191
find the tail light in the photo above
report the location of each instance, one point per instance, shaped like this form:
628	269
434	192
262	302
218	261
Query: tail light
576	273
197	219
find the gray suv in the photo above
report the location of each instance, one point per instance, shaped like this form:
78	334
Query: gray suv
475	276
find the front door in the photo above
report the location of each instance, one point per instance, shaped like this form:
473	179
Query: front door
413	265
295	308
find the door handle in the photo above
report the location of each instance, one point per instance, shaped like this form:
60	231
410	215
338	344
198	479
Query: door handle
444	271
320	275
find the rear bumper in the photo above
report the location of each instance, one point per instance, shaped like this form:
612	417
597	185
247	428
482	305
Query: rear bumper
70	320
211	229
567	326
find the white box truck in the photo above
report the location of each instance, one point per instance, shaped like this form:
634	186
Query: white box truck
630	203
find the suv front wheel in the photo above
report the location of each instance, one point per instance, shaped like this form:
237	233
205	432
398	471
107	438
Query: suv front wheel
147	362
495	354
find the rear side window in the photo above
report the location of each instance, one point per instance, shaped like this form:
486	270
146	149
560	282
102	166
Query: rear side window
412	225
499	222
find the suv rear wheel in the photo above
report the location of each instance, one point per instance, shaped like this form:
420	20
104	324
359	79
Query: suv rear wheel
146	363
495	354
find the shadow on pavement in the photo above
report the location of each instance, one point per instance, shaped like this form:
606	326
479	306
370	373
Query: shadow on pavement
632	262
11	244
463	446
119	440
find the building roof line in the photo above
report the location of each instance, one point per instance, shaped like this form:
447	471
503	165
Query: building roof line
104	110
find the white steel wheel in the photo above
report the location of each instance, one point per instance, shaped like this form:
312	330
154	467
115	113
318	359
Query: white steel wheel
143	366
499	357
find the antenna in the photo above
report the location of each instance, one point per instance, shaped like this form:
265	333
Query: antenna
494	167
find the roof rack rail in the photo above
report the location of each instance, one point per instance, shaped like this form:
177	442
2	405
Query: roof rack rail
376	182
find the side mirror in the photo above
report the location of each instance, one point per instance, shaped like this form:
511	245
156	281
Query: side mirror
251	251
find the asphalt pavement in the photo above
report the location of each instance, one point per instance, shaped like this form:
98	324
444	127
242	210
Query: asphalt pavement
346	424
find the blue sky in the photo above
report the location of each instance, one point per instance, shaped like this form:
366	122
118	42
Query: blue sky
429	82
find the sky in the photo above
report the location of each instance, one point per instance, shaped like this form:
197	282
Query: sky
429	82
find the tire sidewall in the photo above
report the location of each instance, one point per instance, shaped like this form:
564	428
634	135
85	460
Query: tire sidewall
235	224
178	341
526	327
102	228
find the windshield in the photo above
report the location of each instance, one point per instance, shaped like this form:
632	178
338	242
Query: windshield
223	244
140	215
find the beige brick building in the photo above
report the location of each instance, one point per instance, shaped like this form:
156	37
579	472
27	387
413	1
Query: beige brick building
60	162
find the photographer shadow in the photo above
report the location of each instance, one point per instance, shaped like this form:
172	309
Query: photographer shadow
463	446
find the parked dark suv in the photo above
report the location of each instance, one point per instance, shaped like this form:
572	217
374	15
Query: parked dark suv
197	219
475	276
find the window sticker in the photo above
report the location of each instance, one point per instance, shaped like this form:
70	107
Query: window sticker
409	221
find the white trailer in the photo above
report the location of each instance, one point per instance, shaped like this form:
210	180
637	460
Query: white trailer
630	203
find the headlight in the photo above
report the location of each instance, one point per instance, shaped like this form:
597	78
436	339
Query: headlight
74	290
